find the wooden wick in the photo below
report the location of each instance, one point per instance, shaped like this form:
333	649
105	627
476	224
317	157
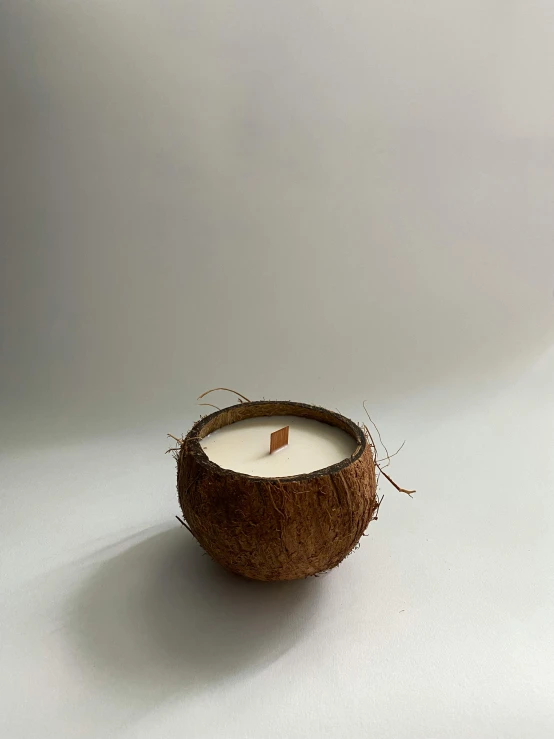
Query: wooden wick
279	439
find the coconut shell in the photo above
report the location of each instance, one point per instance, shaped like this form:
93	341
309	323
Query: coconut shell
276	528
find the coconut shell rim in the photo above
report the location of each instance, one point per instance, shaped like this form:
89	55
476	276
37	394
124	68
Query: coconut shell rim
192	445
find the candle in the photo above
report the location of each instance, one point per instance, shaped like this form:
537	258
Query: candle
244	446
279	515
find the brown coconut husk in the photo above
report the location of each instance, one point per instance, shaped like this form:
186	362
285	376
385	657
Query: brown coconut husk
276	528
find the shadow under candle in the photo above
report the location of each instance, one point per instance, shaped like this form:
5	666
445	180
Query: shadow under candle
161	618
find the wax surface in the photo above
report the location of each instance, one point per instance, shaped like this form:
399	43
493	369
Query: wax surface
244	446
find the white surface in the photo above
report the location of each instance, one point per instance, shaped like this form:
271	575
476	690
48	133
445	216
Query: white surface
244	446
309	199
440	625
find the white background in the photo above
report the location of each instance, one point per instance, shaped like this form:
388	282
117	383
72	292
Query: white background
321	201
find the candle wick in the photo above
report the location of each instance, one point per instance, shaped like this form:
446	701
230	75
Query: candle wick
279	439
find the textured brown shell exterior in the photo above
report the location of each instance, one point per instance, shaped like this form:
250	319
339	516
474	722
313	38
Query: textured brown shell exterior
276	528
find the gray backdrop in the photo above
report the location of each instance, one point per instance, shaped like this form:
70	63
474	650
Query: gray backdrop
316	200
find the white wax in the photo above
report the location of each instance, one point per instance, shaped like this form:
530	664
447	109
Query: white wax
244	446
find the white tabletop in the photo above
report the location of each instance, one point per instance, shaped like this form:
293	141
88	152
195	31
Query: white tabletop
114	624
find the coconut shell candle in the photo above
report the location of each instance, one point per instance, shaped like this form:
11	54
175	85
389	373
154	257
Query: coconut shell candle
283	514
